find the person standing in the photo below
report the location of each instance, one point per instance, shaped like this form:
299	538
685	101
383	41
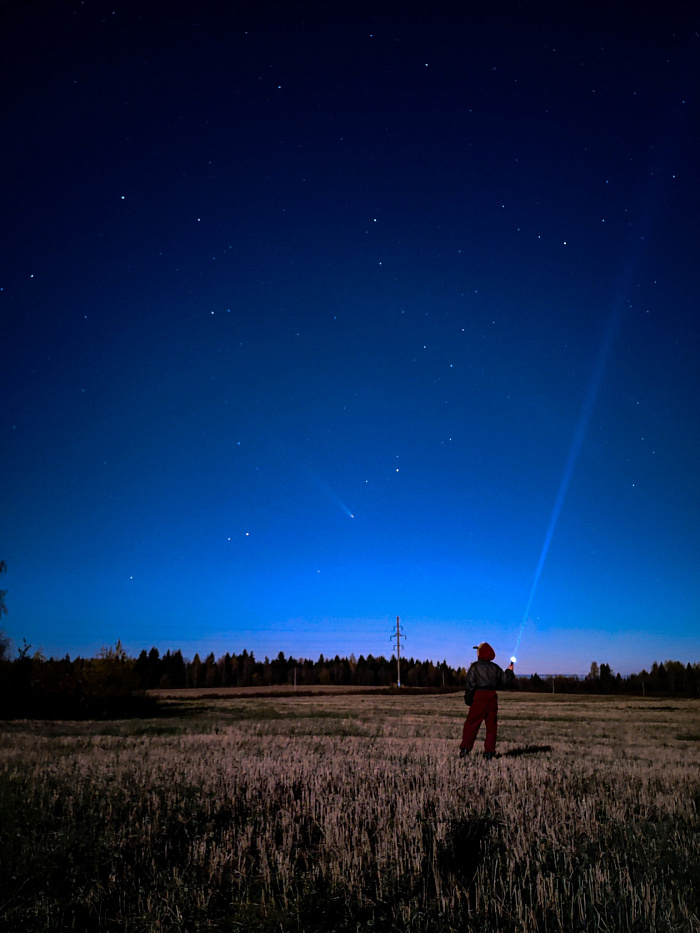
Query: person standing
484	677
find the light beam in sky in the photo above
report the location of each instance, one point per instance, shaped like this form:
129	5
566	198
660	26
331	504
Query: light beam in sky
574	451
620	301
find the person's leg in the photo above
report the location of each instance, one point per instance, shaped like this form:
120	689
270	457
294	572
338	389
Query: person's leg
491	716
477	711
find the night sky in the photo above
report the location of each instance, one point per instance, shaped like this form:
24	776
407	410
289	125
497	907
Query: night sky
316	314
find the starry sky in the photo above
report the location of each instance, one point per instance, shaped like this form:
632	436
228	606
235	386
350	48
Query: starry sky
319	314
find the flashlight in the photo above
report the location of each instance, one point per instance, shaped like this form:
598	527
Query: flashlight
513	660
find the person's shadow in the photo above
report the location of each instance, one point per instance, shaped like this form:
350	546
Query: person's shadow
525	750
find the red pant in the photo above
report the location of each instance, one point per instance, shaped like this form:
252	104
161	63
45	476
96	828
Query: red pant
484	707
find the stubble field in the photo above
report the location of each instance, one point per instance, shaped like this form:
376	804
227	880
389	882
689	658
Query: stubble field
353	813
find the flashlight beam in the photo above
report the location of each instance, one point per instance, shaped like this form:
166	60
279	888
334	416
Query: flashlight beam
574	451
619	302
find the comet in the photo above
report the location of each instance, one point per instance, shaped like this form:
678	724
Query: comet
322	484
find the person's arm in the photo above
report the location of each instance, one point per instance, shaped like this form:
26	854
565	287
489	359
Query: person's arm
470	685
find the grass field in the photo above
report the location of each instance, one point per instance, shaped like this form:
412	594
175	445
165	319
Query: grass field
353	813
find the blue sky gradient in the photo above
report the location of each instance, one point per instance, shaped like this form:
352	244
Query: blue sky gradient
308	325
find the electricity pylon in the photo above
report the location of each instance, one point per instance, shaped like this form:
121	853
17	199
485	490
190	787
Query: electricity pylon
398	635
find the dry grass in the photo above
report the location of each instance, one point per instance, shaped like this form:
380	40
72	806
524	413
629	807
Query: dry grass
264	691
353	813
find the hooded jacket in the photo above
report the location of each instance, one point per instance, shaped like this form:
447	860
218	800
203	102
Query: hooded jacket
484	674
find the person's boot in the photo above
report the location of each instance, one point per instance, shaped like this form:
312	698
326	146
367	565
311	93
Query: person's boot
489	755
464	753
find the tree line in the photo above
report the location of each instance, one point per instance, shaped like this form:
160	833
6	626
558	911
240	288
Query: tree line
32	686
115	684
244	670
668	678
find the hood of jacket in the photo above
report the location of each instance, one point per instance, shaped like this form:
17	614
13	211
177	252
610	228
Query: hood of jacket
486	652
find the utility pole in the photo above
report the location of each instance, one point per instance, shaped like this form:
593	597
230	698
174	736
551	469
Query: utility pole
398	635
